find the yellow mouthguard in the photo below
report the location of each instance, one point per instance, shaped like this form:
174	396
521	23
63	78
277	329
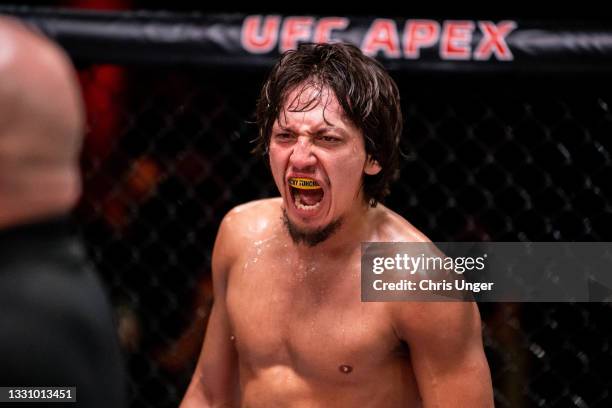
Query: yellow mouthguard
304	183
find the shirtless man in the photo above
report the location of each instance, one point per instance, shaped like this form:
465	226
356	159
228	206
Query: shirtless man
288	328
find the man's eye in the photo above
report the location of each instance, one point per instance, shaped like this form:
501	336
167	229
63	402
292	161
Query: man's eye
283	136
329	139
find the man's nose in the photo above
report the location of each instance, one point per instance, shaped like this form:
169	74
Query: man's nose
302	157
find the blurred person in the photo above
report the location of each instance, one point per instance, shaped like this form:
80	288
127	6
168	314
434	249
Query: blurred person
288	327
56	327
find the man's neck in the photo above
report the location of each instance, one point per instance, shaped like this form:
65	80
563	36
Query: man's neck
29	195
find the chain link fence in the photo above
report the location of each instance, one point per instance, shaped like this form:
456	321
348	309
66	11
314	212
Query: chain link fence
489	157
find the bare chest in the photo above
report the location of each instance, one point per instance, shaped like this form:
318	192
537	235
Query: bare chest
307	316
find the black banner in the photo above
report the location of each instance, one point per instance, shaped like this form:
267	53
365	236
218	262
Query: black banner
257	40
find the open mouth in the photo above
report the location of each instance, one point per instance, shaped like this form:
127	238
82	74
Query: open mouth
307	194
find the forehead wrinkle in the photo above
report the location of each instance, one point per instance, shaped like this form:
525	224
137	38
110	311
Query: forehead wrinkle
307	95
315	124
317	130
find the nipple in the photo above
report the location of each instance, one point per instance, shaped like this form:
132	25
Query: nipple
304	183
345	369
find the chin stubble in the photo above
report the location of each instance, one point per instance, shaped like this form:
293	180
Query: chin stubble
310	238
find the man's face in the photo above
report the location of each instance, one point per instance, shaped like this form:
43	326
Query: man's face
321	147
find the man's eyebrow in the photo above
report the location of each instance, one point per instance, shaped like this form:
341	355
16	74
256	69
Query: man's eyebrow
279	128
331	129
318	131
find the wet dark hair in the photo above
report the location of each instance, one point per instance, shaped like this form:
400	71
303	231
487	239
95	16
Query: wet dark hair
367	94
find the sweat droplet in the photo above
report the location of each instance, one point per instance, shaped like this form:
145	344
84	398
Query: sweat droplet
346	369
232	337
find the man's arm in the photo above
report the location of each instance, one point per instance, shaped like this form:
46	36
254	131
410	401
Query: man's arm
446	352
215	380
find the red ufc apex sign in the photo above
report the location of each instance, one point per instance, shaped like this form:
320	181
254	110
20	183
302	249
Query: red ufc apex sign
449	39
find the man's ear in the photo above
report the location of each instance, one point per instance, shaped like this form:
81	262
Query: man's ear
371	167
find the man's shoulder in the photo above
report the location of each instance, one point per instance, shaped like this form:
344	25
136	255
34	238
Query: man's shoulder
241	227
261	206
253	219
392	227
421	317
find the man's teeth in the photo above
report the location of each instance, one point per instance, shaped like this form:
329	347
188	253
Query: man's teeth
306	207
